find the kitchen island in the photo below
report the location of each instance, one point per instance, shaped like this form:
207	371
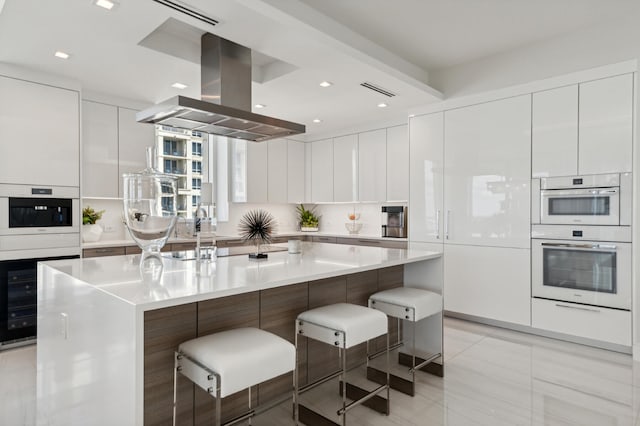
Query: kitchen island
107	332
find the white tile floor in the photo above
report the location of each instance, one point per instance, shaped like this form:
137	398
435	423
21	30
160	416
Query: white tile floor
492	377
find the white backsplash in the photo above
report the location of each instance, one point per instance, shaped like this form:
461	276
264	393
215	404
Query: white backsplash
111	221
332	217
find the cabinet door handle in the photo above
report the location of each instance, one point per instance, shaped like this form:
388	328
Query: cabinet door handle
580	308
446	224
438	224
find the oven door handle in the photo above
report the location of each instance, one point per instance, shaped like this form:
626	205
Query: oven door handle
581	192
611	247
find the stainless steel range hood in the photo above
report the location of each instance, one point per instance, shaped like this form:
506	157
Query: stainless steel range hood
225	108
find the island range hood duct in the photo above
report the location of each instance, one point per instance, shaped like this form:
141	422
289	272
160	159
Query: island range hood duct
225	108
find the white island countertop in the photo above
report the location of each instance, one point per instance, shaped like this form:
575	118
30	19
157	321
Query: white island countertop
120	276
102	325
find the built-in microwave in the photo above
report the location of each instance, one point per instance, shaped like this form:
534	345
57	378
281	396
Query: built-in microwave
585	200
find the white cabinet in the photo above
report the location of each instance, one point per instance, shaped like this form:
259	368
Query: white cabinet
295	172
372	165
277	170
100	150
257	172
133	140
345	168
40	134
488	282
426	178
606	125
397	164
583	129
555	132
487	173
322	171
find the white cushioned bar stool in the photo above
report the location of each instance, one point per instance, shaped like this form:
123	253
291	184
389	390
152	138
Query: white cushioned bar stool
227	362
342	325
414	305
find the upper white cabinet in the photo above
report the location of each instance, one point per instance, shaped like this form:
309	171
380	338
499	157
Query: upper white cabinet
488	173
100	150
257	172
295	172
322	171
397	164
40	134
277	170
372	161
583	129
426	135
345	168
133	140
606	125
555	132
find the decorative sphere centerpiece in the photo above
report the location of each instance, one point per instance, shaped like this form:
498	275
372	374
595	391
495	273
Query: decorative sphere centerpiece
150	199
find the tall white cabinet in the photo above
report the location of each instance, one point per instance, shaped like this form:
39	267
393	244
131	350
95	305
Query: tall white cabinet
40	134
426	195
487	173
469	193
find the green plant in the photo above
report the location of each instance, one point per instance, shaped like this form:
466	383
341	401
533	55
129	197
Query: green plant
90	216
307	218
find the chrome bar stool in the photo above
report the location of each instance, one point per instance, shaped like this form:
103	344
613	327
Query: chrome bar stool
227	362
342	325
411	304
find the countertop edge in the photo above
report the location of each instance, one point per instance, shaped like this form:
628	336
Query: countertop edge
131	243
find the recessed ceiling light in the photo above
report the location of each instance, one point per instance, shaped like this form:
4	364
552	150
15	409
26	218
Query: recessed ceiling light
326	84
317	120
61	55
106	4
260	105
179	86
382	105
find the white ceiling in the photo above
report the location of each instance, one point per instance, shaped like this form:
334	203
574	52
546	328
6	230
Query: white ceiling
390	43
